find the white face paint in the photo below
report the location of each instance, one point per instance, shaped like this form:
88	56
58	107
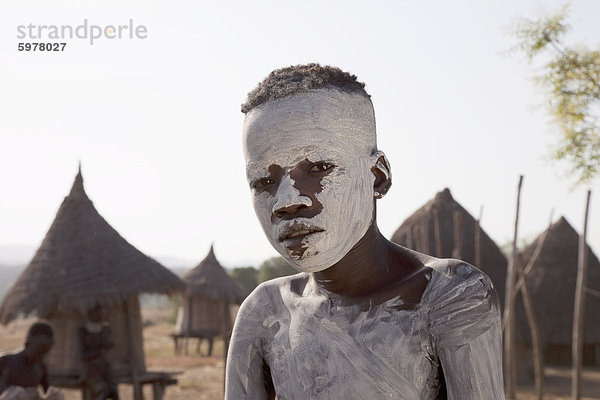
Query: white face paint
308	160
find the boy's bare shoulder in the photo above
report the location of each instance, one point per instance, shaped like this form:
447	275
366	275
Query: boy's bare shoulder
267	298
448	274
461	302
282	286
450	277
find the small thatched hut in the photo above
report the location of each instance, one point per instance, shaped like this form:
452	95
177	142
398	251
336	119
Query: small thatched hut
83	262
551	284
211	301
443	228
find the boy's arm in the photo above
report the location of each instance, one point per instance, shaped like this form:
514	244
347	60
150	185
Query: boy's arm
474	370
44	380
466	329
248	375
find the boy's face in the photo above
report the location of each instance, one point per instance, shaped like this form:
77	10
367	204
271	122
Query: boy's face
308	163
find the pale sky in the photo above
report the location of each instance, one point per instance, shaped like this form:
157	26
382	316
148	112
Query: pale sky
156	122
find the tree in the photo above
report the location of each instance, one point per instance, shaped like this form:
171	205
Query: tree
247	277
571	76
273	268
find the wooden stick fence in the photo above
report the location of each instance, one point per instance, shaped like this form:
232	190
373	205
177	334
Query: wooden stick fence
509	334
579	311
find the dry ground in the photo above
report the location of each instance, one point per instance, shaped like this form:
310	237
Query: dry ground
201	378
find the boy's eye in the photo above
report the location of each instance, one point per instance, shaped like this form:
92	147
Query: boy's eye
262	182
320	167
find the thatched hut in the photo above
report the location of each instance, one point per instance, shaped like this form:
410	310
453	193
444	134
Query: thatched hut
83	262
551	284
210	302
443	228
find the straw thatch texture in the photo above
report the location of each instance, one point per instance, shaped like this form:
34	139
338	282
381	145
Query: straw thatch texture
209	279
82	262
551	284
440	218
210	301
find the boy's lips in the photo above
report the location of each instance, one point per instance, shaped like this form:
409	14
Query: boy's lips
297	232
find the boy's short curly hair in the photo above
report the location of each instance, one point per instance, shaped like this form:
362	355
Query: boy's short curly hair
301	78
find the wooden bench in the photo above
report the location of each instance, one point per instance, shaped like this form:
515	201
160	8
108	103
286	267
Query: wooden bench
158	380
180	340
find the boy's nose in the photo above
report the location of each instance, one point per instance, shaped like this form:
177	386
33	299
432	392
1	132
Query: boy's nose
289	199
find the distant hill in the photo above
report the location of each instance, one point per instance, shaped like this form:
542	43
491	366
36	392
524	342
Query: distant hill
174	264
14	255
8	276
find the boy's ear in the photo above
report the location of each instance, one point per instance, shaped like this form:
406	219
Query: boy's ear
383	175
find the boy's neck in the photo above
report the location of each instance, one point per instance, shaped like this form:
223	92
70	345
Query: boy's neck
362	271
374	271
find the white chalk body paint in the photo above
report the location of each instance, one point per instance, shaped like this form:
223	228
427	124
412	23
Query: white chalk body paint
315	348
303	340
320	125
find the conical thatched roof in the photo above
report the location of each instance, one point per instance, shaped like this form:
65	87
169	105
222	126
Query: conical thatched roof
81	262
551	284
418	232
209	279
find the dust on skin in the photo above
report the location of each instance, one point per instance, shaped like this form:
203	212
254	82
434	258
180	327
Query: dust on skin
365	319
287	138
306	178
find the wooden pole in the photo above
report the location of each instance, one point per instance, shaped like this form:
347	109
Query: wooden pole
478	239
538	359
530	264
417	246
538	362
425	236
437	233
457	235
188	323
133	359
579	311
509	306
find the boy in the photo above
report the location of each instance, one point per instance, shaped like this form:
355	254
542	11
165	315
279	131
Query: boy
22	373
365	318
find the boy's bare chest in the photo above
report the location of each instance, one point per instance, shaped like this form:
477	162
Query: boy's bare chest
20	373
326	351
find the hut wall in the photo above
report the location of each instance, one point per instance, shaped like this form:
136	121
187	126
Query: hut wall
64	358
560	354
128	350
233	310
551	283
129	338
201	314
